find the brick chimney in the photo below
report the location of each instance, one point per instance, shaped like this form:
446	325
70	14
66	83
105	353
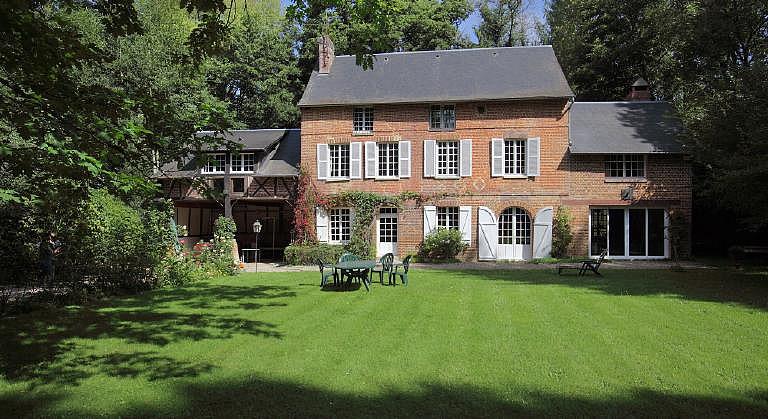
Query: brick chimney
325	54
639	90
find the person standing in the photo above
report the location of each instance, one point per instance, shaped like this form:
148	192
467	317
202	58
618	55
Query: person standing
49	249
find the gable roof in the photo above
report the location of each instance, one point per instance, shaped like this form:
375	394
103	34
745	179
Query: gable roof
441	76
624	127
278	152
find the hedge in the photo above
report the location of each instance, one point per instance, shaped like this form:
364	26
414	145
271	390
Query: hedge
309	254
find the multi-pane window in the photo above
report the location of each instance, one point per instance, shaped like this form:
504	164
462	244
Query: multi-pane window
238	185
339	162
448	158
442	117
625	165
448	217
388	225
362	121
514	157
244	162
514	227
341	225
389	159
628	232
214	163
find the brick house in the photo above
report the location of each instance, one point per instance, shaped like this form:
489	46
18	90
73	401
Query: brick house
494	135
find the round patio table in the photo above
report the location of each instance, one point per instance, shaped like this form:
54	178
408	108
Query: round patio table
356	269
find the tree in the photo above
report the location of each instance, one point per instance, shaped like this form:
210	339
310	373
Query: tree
502	24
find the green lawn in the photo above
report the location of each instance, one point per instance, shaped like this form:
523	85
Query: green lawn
642	343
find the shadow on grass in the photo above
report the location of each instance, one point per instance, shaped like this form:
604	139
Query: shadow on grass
39	348
720	286
259	397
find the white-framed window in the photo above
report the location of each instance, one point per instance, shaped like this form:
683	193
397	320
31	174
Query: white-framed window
214	163
447	159
339	160
243	162
625	166
514	226
515	157
448	217
628	232
442	117
389	160
388	225
362	121
340	225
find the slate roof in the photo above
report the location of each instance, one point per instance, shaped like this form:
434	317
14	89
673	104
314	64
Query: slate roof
624	127
278	151
441	76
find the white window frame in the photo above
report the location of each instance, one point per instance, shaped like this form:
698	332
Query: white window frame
443	218
624	178
239	165
626	255
457	168
337	163
335	221
516	174
362	117
389	161
442	108
211	157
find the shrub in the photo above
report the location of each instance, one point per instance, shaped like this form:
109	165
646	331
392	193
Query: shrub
561	232
175	271
217	258
308	254
442	245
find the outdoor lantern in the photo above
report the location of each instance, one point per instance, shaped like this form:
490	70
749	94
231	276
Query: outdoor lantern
257	226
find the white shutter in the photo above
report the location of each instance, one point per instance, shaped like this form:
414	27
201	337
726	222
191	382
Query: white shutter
497	157
430	219
534	156
429	158
321	225
542	233
356	160
370	160
322	161
405	158
465	223
465	157
487	234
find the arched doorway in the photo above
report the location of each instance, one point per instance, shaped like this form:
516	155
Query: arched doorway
514	235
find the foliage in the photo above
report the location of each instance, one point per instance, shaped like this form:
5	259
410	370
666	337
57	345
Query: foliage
678	234
443	244
218	259
177	271
304	210
309	254
561	232
501	24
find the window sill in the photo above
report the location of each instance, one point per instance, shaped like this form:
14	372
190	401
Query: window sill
442	129
337	179
443	177
249	172
386	178
362	133
625	180
514	176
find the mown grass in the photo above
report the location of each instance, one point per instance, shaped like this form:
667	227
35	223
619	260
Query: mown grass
459	343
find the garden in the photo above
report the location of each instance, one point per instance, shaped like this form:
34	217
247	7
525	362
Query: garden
452	343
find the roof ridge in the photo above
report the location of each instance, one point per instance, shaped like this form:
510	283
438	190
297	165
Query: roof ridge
453	50
622	101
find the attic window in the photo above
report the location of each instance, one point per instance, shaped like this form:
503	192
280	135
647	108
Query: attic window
244	162
362	122
481	110
214	163
442	118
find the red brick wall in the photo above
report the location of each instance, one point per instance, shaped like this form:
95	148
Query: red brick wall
564	179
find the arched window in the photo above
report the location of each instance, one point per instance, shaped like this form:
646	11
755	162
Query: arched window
514	226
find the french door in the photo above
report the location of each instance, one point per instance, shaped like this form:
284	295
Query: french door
387	232
629	232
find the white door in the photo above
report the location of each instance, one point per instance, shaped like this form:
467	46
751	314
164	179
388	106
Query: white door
514	235
387	232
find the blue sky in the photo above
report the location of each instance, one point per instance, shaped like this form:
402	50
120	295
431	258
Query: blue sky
534	7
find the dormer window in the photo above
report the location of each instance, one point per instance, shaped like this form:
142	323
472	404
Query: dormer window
625	166
243	162
442	117
362	122
214	163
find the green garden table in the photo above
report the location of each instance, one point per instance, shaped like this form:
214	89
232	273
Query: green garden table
356	269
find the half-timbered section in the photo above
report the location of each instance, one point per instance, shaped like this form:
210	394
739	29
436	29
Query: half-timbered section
254	181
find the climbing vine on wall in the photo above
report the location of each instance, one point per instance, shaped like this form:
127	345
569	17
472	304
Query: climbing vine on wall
304	210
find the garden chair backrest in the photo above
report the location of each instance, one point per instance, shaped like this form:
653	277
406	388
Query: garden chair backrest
406	263
347	257
387	261
601	258
321	264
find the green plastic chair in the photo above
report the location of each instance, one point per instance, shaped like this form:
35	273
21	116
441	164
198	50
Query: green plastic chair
386	266
403	275
327	270
348	257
